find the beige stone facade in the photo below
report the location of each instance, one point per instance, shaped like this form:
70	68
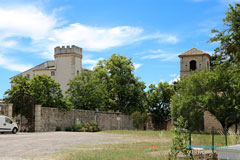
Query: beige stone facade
67	65
193	59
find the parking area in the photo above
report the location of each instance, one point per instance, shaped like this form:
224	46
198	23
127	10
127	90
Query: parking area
34	145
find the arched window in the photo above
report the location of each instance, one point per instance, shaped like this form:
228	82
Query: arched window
193	65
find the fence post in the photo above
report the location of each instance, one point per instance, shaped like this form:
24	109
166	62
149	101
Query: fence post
190	143
212	143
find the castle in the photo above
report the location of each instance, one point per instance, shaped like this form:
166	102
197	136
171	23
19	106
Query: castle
67	65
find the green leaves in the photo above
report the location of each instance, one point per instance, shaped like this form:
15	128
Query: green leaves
111	86
158	98
229	38
25	93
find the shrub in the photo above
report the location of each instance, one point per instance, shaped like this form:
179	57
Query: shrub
58	128
139	119
69	128
84	127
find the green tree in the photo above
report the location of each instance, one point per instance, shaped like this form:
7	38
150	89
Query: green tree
158	99
126	92
47	92
87	92
25	93
229	49
21	98
187	100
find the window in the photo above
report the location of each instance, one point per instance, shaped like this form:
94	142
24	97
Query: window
52	73
77	72
7	120
28	76
193	65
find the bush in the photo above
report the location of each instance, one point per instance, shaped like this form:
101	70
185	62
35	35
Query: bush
58	128
84	127
69	128
139	119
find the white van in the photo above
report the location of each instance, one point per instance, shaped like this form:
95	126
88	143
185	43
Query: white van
7	125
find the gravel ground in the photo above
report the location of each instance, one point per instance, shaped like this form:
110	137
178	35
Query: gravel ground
21	146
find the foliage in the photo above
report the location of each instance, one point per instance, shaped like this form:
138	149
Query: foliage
181	139
87	92
158	98
25	93
229	49
84	127
111	86
20	96
46	92
126	93
216	92
186	102
139	119
58	128
222	97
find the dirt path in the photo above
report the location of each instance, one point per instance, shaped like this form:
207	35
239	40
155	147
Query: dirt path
24	145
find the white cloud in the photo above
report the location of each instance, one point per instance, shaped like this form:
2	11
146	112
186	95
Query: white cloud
137	65
96	39
25	21
162	38
44	31
163	57
10	64
173	75
174	80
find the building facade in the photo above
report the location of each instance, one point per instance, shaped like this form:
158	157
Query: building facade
192	60
67	65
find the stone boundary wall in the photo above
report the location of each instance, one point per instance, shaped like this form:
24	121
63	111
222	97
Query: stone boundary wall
46	119
6	109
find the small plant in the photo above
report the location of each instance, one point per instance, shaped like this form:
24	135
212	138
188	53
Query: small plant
58	128
180	141
84	127
69	129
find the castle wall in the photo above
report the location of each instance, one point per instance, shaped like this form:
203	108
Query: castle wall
48	119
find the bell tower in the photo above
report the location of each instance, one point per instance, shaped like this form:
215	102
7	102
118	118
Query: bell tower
192	60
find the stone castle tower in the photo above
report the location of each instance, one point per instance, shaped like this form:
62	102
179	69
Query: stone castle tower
68	63
193	59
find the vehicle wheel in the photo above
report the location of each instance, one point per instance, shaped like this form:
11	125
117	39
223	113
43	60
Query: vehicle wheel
14	131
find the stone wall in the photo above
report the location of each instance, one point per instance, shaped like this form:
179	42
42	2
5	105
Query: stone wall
52	117
210	121
6	109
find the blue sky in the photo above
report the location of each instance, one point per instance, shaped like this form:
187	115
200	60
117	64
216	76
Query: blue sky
151	32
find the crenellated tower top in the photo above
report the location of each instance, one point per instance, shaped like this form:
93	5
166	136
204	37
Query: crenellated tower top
67	50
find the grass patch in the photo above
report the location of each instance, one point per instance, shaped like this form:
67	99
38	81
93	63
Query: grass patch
143	145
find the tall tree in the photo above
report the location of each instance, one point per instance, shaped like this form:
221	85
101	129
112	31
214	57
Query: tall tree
21	98
87	92
159	98
187	100
25	93
126	92
229	38
47	92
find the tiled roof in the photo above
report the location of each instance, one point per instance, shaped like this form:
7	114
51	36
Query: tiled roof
193	52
